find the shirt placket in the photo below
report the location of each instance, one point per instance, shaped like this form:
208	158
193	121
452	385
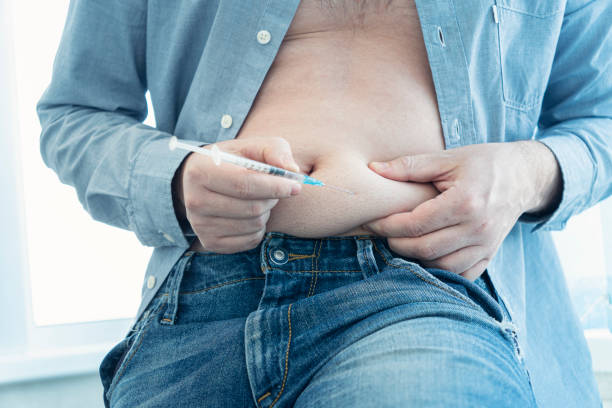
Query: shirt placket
265	40
449	70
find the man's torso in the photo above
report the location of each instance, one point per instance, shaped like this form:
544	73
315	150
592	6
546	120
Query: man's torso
350	84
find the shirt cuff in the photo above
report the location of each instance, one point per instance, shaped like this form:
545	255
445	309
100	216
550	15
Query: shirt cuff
151	210
577	174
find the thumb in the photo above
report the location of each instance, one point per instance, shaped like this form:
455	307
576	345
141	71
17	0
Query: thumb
420	168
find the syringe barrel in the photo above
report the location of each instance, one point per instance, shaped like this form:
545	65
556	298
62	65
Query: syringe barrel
261	167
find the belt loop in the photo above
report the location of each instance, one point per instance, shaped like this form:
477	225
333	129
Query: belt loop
365	256
174	286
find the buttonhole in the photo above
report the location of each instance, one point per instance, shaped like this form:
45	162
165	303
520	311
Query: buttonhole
441	37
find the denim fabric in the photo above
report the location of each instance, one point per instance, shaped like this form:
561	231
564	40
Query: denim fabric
503	71
318	322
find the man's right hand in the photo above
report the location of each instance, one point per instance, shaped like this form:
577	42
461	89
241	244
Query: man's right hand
228	206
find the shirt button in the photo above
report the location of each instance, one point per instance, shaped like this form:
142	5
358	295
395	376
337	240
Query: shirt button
151	282
168	237
264	37
226	121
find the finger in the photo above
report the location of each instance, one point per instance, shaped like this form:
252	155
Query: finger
475	271
420	168
432	215
249	185
435	245
232	244
272	150
458	261
219	205
225	227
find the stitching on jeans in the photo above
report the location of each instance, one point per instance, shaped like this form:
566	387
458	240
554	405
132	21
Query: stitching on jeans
314	252
295	257
263	397
312	266
312	277
316	272
286	359
124	366
415	273
221	284
314	287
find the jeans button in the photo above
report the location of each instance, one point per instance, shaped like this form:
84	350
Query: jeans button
278	256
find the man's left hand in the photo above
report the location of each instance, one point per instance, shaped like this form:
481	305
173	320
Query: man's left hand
484	189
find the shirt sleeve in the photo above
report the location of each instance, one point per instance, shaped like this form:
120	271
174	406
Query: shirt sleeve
91	116
576	118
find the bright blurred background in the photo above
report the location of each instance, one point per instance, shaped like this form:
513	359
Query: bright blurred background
52	253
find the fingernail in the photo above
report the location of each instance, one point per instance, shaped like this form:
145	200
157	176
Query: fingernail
296	188
379	165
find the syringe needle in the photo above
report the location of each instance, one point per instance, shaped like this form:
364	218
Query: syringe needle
339	189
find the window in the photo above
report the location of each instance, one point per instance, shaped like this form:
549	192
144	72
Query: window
585	260
67	252
52	252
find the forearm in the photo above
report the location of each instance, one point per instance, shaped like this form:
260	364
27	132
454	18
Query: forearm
120	168
544	184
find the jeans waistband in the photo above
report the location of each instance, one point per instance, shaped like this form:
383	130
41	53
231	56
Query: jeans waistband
287	254
343	254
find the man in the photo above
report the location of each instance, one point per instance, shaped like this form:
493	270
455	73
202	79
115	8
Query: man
428	286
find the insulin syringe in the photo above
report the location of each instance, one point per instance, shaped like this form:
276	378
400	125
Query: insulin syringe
219	156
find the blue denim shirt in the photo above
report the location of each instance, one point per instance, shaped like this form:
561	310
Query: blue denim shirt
504	70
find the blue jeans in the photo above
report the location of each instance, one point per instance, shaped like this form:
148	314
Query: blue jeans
338	321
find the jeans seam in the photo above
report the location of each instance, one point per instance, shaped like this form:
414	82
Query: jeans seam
325	271
263	397
221	285
367	260
286	360
313	282
132	350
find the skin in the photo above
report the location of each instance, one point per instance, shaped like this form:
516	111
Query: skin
228	206
483	189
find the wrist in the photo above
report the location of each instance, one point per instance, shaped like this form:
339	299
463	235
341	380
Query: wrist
544	178
177	198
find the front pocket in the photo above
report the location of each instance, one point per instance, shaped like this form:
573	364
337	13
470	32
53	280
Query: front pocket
116	361
224	301
528	33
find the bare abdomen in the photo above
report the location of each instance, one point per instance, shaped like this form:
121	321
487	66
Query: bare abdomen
343	98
